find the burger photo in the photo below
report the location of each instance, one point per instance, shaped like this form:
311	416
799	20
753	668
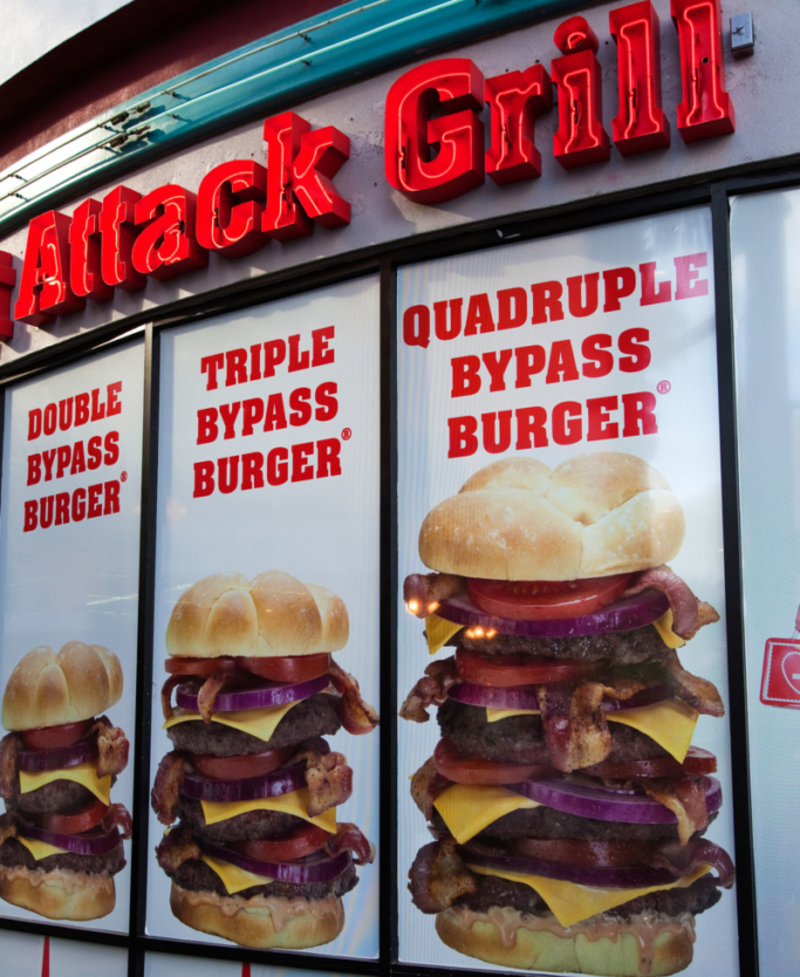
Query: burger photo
61	837
258	855
567	805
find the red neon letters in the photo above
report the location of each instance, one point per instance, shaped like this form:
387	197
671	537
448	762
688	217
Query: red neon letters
230	203
44	290
166	244
300	167
8	279
706	109
580	137
117	234
516	98
84	253
433	159
641	124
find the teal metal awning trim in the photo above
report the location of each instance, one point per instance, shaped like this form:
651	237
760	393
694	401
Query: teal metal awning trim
345	44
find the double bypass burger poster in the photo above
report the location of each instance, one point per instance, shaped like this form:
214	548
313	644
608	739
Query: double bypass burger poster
564	759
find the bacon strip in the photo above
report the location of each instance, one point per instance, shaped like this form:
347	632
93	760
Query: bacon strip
329	779
685	797
176	848
166	694
688	613
684	859
575	726
349	837
357	716
426	785
112	747
165	794
440	677
208	693
439	877
117	816
9	747
701	694
423	592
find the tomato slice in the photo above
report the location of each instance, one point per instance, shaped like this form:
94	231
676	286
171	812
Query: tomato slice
288	668
284	848
242	766
471	770
545	600
54	737
199	666
76	822
697	761
510	671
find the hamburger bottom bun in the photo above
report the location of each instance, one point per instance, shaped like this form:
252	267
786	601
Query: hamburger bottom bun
61	894
273	614
251	922
49	688
593	516
668	947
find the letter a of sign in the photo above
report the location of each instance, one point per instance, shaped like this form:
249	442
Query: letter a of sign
300	168
706	109
431	160
44	290
580	138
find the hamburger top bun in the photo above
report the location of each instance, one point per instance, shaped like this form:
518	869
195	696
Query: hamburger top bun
592	516
273	614
48	689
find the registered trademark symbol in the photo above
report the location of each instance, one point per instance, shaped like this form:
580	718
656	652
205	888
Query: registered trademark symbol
346	434
124	477
664	387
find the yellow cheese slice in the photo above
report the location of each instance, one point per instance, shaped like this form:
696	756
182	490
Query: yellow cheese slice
467	809
664	627
40	849
439	631
84	774
295	802
234	878
669	723
260	723
570	903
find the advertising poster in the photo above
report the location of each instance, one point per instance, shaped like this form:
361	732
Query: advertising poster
265	754
765	248
44	956
562	651
69	579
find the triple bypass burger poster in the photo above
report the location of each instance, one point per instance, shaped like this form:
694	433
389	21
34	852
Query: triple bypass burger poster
559	537
265	755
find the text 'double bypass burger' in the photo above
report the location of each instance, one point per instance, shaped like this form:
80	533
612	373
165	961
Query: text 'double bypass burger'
566	799
61	837
258	856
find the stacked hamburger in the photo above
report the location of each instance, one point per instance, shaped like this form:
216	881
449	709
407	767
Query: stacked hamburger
567	804
257	855
60	838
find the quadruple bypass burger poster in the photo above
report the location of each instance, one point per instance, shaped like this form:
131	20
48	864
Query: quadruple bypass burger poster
548	368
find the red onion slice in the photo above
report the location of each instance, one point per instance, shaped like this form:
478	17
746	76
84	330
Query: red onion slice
281	781
313	868
258	697
524	697
604	878
625	614
608	804
94	842
35	761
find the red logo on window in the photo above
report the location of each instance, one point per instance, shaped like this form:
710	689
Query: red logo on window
780	683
